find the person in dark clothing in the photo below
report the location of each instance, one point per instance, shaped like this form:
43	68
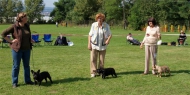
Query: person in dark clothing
21	46
182	38
61	40
132	40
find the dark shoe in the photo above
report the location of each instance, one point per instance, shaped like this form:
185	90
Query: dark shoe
15	85
30	83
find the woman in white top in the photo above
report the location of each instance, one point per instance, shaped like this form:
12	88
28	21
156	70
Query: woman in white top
151	37
98	39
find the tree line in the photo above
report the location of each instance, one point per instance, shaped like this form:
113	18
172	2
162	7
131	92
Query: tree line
10	8
131	14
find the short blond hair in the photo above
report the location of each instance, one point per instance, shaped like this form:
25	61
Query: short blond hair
100	15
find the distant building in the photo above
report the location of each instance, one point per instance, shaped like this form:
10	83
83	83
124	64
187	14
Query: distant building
46	13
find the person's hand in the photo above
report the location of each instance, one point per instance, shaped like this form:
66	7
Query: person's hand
14	40
32	41
89	47
107	42
141	46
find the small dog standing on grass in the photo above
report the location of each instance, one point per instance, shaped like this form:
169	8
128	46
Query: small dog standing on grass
106	71
38	77
161	69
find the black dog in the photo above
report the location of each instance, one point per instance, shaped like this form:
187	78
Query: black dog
38	77
106	71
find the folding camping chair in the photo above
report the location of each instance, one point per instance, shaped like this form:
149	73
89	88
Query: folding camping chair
35	37
47	39
6	43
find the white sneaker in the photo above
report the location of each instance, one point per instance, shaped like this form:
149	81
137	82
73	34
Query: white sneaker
92	75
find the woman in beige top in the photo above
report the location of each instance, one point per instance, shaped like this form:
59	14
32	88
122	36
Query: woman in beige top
151	37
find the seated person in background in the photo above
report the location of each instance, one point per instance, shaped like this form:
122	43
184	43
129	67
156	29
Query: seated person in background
61	40
182	38
132	40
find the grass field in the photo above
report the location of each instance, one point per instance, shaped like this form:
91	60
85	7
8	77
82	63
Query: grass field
70	68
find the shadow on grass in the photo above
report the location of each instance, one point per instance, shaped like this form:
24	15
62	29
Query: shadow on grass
42	84
129	72
107	77
140	72
67	80
181	71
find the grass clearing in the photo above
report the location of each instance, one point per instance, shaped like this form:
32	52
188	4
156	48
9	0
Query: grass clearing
70	68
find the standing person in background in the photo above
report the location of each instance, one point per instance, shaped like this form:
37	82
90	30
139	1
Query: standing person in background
98	40
151	37
56	23
21	47
66	23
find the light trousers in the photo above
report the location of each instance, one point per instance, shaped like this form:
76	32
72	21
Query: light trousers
94	56
150	52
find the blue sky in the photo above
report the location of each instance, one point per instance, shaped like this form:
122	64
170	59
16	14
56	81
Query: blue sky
48	3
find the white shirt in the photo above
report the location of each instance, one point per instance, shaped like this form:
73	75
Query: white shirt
129	37
99	36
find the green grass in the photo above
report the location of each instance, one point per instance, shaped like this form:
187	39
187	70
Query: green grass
69	66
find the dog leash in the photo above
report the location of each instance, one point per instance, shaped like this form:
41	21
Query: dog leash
32	59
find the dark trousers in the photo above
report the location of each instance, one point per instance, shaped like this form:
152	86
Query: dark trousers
178	40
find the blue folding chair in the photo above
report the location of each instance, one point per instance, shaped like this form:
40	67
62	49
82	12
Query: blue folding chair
47	39
6	43
35	37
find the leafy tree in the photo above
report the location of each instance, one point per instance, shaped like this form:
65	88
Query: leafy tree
9	9
141	11
18	6
165	11
184	10
117	11
114	10
62	10
33	9
84	10
174	12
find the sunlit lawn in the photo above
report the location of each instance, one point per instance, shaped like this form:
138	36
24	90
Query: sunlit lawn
69	66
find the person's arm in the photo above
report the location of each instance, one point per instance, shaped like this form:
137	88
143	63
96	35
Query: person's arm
89	38
142	43
7	32
180	36
89	43
185	36
109	37
108	40
32	41
127	37
158	33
